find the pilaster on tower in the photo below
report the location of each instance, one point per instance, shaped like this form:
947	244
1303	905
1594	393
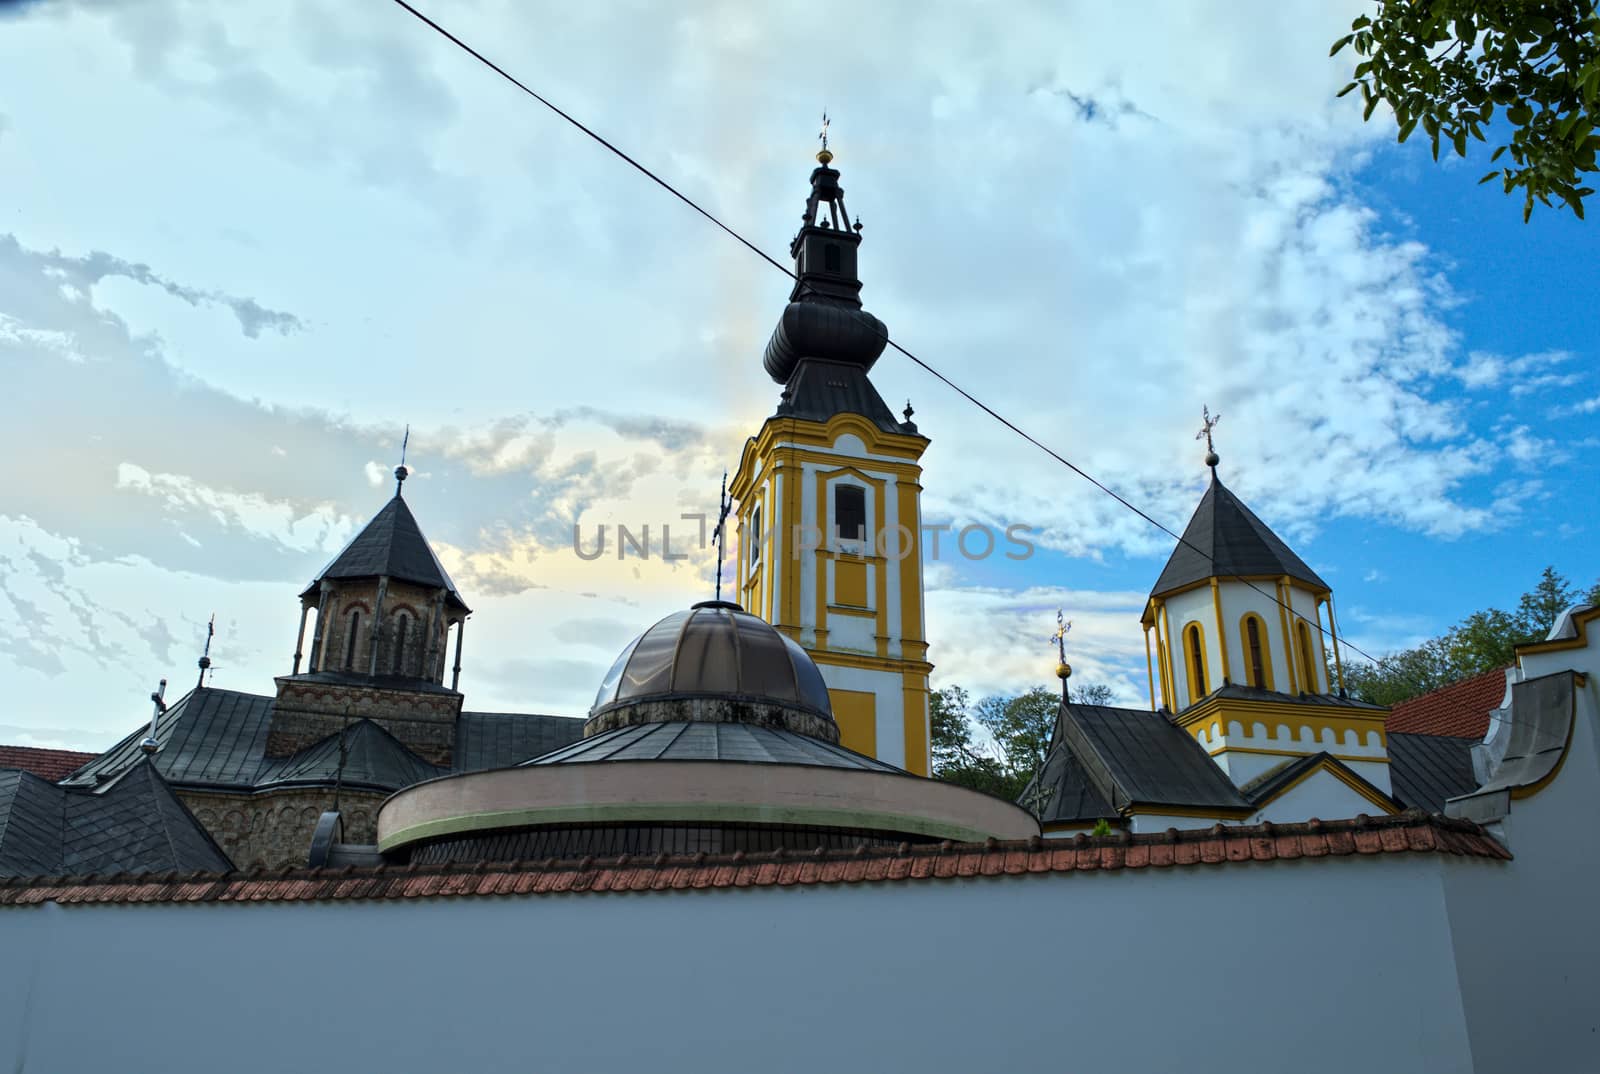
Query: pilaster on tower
829	494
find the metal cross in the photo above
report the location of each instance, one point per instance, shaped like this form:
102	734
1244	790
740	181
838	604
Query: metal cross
400	472
1205	431
822	136
719	537
205	656
1039	797
1063	628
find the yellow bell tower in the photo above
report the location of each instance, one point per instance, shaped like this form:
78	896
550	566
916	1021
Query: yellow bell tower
829	516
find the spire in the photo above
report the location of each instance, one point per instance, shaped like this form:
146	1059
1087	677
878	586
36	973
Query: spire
1063	669
1212	458
390	546
1225	539
205	656
824	318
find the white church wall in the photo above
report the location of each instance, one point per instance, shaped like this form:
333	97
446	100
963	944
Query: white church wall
1099	971
1195	606
1239	599
1321	795
889	705
1526	943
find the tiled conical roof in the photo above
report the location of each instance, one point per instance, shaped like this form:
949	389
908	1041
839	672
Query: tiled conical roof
1224	539
390	545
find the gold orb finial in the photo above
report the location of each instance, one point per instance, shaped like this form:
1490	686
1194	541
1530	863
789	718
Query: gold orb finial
1063	670
824	157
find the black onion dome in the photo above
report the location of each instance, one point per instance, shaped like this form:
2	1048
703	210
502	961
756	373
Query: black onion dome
714	663
812	329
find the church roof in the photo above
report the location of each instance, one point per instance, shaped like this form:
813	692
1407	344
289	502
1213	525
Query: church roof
1314	842
820	389
46	764
1427	770
1224	538
218	738
390	545
134	825
1103	760
711	742
1460	709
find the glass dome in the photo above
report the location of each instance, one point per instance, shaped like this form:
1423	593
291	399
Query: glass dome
717	650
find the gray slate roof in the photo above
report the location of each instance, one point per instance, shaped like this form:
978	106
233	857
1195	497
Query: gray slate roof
1425	770
390	545
1103	760
134	825
819	389
711	742
1257	693
217	739
1266	786
1225	538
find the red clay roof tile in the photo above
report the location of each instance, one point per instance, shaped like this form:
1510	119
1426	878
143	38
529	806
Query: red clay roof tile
1410	832
46	764
1460	710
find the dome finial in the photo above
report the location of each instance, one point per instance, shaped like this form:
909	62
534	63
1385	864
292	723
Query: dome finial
400	472
205	655
1063	669
824	155
1212	458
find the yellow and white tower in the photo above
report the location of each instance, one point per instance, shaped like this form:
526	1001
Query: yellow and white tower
1244	653
829	522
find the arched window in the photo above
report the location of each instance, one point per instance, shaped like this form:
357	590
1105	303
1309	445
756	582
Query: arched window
1258	657
830	257
1308	675
401	623
850	512
1194	646
755	536
350	641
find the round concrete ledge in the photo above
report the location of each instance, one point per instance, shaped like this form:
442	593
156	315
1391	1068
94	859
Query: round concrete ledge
695	791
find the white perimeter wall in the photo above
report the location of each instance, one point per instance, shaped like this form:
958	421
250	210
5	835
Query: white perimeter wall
1308	966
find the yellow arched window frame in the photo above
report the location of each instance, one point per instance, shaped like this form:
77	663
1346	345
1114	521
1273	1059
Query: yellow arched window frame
1308	674
1257	650
1194	660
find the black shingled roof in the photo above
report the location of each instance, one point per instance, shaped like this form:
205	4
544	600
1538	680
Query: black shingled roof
819	389
1103	760
133	825
1225	539
1426	770
218	738
390	545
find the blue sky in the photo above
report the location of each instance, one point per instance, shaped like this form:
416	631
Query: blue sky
241	249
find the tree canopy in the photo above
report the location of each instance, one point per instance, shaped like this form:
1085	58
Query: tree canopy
1481	642
998	743
1450	65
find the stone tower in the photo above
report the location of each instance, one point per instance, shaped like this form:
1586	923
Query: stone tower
384	609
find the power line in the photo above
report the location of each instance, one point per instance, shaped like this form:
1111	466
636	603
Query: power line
952	385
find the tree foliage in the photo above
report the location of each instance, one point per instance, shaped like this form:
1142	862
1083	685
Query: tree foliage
997	744
1481	642
1450	65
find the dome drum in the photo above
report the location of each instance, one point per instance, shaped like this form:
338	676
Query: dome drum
759	712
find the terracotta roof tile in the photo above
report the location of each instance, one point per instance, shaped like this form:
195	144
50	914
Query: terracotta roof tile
1411	832
52	765
1459	710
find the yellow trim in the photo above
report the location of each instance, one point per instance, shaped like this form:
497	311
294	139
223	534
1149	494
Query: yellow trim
1343	775
1580	624
1333	632
856	713
1169	673
1222	634
914	712
1187	811
1544	781
909	511
1149	667
866	662
1283	621
1266	649
1195	676
1216	713
1308	671
1345	757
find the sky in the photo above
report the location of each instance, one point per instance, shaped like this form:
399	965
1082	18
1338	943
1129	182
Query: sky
242	247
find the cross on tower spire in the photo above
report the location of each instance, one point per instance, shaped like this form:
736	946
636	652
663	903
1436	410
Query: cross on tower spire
205	655
1212	458
1063	669
719	536
824	155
